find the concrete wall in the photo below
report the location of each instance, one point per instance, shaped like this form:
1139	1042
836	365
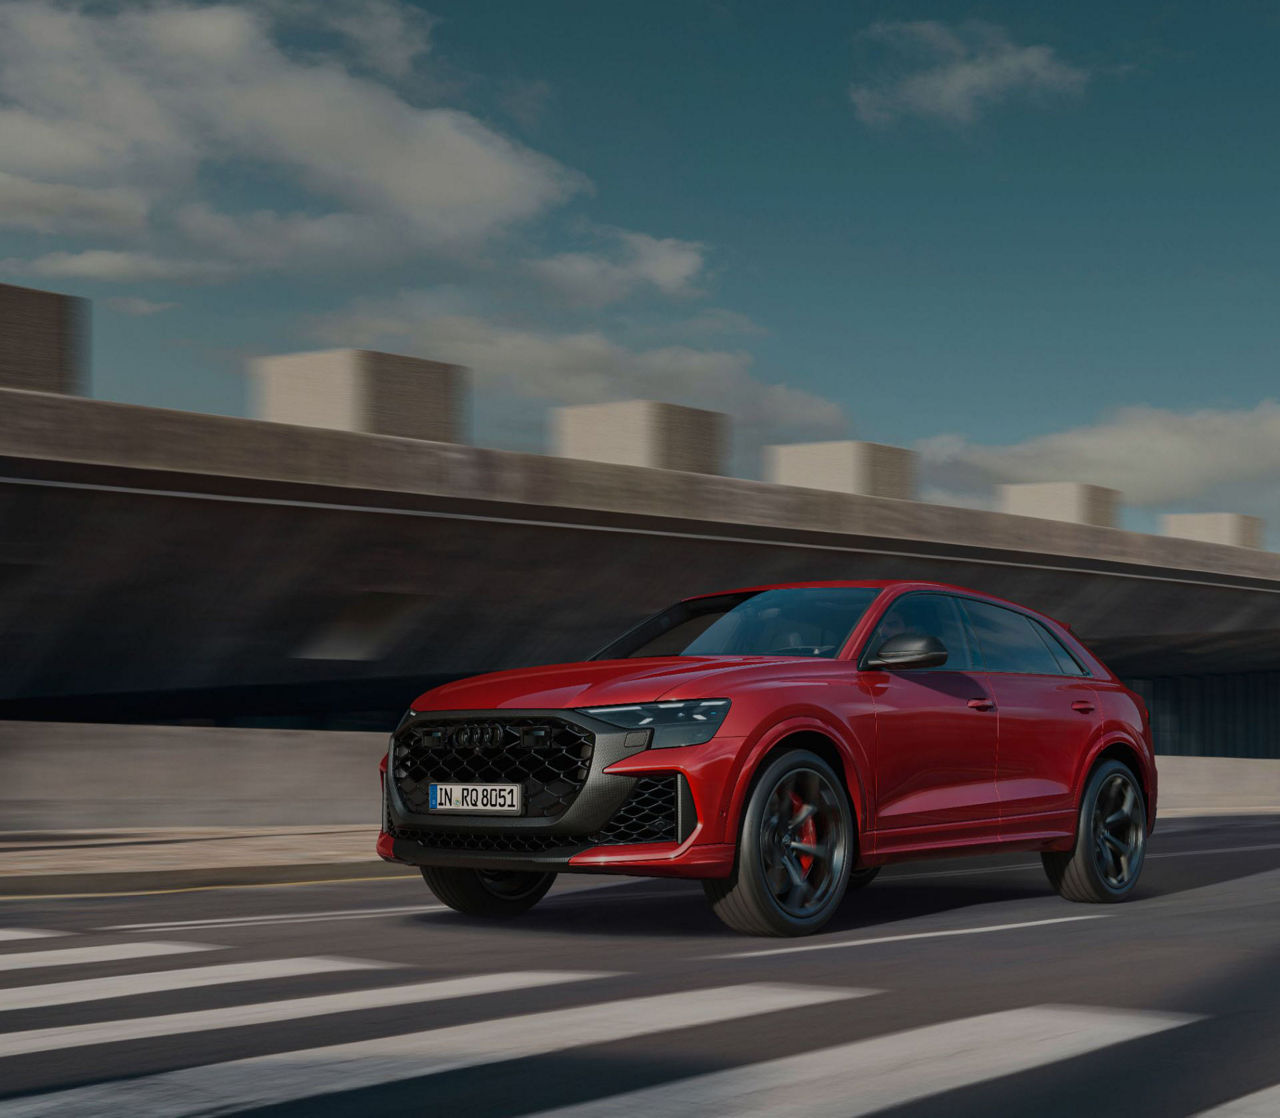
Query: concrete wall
42	340
66	776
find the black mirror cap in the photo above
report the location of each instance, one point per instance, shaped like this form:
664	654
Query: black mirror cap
909	650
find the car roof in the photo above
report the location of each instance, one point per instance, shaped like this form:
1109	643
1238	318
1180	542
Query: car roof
881	584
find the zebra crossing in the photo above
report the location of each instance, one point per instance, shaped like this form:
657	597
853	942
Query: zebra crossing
837	1081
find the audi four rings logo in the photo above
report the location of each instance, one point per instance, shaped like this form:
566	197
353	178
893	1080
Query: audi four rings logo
473	735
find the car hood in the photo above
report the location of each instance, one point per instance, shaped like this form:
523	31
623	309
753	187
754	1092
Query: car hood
607	682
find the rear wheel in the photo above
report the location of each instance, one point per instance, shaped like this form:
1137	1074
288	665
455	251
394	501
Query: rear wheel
1111	840
491	893
795	853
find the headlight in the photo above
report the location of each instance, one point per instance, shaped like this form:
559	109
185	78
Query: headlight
669	724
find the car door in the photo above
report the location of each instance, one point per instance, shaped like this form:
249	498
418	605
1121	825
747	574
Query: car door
1046	714
935	745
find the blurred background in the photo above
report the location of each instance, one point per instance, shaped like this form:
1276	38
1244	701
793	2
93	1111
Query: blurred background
350	347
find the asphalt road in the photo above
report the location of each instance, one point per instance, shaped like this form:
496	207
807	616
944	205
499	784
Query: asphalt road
956	988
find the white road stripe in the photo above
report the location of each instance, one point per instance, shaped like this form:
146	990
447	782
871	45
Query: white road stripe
871	1075
331	914
25	933
267	1080
288	1009
1261	1104
830	946
102	953
152	982
278	918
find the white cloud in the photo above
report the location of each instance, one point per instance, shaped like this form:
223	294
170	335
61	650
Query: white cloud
512	363
139	308
633	262
124	266
50	207
954	74
1154	456
270	239
146	97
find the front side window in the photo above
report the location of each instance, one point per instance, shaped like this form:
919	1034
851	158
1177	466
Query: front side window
793	621
1009	641
932	615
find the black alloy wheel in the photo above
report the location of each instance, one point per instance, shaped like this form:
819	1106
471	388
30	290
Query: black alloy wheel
489	893
796	851
1111	839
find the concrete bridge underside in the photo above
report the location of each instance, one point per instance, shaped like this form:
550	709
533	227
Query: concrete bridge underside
157	565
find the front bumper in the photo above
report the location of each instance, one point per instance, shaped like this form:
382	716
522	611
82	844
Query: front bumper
617	811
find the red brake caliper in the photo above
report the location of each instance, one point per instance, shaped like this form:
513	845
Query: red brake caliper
807	833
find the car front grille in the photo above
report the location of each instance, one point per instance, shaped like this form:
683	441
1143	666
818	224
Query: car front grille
549	757
649	814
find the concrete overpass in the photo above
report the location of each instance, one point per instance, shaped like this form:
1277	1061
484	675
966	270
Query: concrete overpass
171	566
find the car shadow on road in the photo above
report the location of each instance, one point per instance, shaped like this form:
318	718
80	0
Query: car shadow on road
651	909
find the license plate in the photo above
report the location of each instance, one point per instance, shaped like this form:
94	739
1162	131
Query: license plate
477	799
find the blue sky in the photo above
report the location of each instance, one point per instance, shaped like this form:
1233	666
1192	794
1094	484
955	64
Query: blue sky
1036	240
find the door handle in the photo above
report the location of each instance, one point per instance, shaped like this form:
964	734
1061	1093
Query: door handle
981	704
1083	706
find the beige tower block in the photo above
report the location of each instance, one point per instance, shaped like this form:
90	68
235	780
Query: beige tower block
1062	500
362	390
871	469
1231	528
43	338
642	433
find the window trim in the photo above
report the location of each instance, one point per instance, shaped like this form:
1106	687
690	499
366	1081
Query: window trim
1041	631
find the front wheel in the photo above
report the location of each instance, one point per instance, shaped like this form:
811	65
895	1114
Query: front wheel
795	854
1111	840
490	893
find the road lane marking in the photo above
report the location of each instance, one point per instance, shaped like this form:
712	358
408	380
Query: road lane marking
290	1009
1261	1104
332	914
25	933
282	1077
906	936
278	918
1036	865
189	978
886	1071
102	953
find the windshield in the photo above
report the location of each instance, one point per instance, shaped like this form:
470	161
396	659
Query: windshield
800	621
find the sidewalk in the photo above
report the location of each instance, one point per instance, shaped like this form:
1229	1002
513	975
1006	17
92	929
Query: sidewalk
119	861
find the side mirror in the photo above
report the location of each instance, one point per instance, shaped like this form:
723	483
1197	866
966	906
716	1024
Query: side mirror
909	650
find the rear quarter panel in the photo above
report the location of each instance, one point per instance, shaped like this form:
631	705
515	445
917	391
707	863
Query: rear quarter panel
1124	719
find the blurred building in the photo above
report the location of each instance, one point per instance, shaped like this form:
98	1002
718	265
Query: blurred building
322	565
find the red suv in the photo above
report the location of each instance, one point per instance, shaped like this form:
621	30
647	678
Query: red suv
780	743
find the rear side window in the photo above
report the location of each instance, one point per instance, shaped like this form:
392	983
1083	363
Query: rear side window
1067	664
933	615
1009	641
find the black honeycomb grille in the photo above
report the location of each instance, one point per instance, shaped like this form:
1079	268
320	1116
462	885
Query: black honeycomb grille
650	814
510	842
550	758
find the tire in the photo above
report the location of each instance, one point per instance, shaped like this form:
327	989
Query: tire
496	894
860	879
1111	840
793	863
